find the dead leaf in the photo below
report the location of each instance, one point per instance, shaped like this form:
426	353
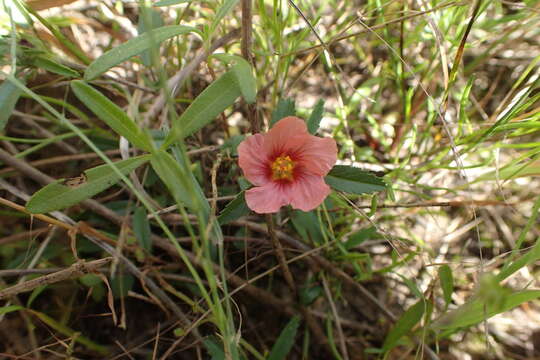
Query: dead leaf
47	4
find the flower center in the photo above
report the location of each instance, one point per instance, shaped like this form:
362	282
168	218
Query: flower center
282	168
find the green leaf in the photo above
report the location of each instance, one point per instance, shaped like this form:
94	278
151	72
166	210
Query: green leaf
246	80
121	284
309	294
141	228
206	107
57	196
285	340
63	329
170	2
285	107
214	349
243	73
9	94
234	209
530	257
404	324
231	144
353	180
479	309
35	293
222	11
447	283
7	309
111	114
315	118
133	47
308	226
515	171
149	19
177	179
43	62
90	280
360	236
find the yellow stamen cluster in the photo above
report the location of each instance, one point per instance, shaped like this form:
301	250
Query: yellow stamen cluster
282	168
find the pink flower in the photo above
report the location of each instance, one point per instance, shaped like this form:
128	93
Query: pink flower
287	165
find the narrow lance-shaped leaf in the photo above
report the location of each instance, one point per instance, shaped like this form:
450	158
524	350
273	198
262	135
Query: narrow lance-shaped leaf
447	283
285	341
246	80
64	193
285	107
133	47
405	323
149	19
9	94
43	62
477	310
234	210
315	118
183	187
206	107
176	179
141	228
243	73
170	2
223	10
10	308
528	258
67	331
111	114
353	180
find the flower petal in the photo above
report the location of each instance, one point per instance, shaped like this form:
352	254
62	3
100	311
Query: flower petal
253	159
318	155
286	136
266	199
308	192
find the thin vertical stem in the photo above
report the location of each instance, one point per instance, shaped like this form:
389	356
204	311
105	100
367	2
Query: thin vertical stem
280	254
246	43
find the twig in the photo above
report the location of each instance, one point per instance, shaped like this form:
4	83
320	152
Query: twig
337	319
452	203
23	235
88	156
46	179
322	262
174	83
76	270
47	134
68	224
280	254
